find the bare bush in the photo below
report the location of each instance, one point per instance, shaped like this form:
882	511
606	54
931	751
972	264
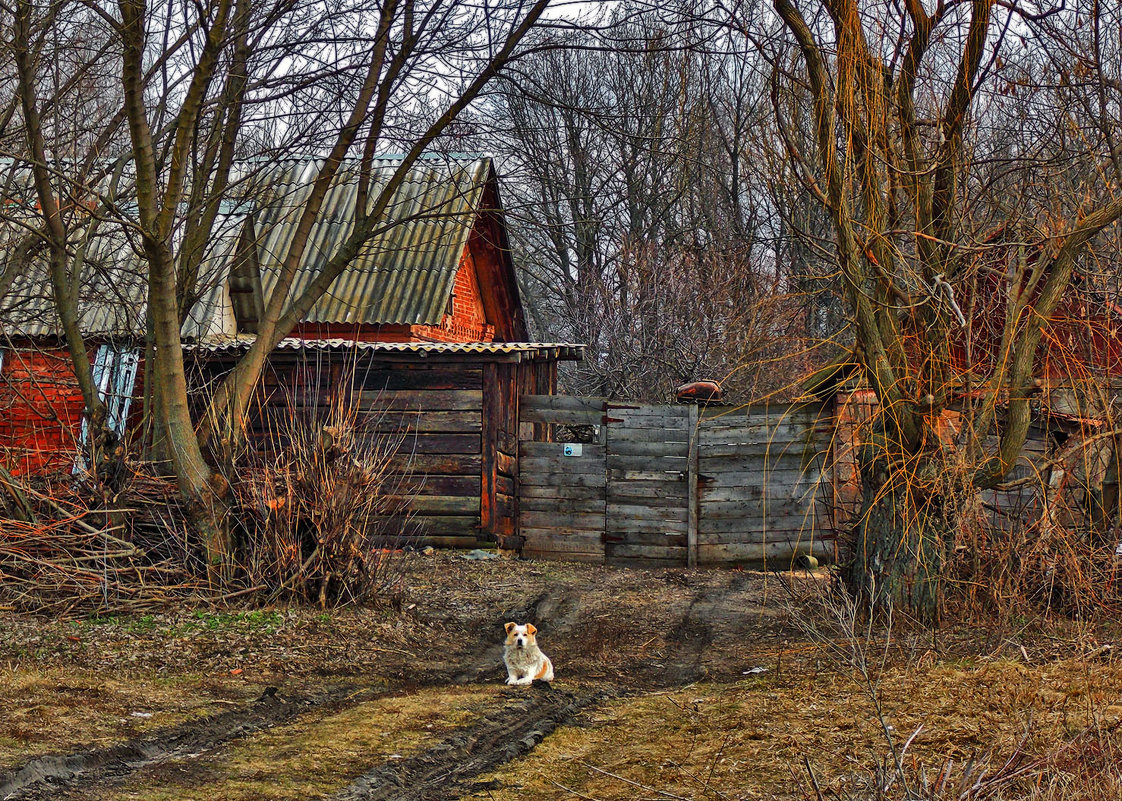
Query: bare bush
322	511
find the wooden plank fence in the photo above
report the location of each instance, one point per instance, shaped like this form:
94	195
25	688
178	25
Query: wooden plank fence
673	485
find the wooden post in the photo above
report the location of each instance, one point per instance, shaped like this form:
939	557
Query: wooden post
691	491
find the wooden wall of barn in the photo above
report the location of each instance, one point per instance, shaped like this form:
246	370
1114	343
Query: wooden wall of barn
455	419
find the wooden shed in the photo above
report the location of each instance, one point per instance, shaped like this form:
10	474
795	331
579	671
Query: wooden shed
451	410
426	329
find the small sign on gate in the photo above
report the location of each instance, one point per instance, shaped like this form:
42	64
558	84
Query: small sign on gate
571	449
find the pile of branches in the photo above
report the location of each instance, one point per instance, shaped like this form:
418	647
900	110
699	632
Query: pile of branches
65	546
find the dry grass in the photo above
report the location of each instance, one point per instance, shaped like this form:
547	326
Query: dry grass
319	753
51	710
749	740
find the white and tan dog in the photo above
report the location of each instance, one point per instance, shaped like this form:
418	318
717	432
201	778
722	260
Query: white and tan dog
524	661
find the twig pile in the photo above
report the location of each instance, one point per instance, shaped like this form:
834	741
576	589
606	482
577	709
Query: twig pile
81	554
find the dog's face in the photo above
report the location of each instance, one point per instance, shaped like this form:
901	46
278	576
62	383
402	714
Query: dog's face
520	636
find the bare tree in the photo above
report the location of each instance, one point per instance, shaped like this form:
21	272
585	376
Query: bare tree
922	148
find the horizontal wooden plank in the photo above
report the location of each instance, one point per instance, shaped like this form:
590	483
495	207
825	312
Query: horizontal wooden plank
623	525
708	526
651	492
633	537
760	535
459	421
584	506
614	551
556	491
444	542
557	450
669	434
653	476
549	478
436	464
562	418
568	403
434	378
560	464
772	492
733	472
547	540
766	411
774	554
624	511
562	531
648	450
760	450
425	400
621	408
437	504
433	525
661	464
439	443
417	483
560	409
589	521
774	508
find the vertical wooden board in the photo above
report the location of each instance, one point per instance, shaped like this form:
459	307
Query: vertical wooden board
691	497
644	445
489	447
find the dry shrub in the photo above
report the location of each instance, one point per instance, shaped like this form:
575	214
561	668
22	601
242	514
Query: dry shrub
1031	562
322	511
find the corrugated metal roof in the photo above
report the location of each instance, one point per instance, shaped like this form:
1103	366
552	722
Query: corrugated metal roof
556	349
111	295
403	275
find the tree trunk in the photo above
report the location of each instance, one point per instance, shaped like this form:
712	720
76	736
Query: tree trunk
905	536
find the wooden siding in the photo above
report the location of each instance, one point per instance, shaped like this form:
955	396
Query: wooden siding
456	418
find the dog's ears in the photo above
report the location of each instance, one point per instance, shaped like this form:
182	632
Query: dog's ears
531	628
509	626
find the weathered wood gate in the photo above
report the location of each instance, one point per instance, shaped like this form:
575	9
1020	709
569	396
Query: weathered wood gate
672	485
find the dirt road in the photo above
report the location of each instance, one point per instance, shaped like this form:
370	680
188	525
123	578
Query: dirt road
692	685
610	632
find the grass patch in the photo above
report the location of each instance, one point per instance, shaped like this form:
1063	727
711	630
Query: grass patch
59	710
748	740
317	754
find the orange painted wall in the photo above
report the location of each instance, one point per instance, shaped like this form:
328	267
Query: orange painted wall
40	411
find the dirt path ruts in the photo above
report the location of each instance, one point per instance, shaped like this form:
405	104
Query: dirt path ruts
49	777
446	770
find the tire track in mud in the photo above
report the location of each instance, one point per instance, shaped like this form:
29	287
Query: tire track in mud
51	776
446	770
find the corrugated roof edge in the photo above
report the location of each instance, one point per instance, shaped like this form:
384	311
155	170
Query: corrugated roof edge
560	350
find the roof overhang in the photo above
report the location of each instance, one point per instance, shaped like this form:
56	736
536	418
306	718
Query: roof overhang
481	351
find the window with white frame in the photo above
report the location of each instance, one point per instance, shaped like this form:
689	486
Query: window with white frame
114	375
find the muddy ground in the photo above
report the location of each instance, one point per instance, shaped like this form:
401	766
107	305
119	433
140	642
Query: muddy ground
670	684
